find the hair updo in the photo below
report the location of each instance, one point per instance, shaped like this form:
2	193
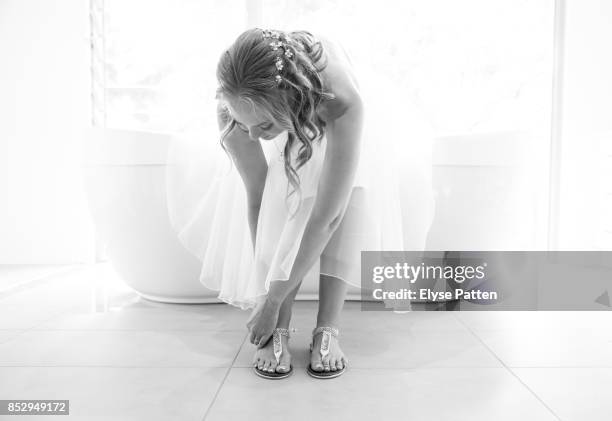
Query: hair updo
247	70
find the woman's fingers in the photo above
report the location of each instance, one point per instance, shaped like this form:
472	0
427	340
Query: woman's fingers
255	337
263	340
259	339
251	321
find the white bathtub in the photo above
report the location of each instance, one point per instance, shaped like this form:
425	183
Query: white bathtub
125	180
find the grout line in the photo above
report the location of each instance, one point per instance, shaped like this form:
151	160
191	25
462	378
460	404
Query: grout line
224	378
249	367
196	329
455	367
44	329
573	367
509	369
111	366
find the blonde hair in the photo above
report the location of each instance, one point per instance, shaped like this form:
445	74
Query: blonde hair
247	71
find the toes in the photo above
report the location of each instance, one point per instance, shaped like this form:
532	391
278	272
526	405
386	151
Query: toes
344	362
326	364
332	364
283	367
317	365
339	364
315	361
272	367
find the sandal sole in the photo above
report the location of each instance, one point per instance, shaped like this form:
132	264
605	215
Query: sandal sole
324	374
273	376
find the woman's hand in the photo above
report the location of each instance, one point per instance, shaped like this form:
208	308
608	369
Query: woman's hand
262	322
255	314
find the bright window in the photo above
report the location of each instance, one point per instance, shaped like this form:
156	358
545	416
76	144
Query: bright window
470	66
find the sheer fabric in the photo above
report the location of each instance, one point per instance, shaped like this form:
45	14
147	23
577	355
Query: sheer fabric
390	208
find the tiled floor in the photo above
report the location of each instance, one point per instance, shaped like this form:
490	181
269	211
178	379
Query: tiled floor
14	276
84	336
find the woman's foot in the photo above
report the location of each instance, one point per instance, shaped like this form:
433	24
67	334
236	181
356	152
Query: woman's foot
334	360
265	360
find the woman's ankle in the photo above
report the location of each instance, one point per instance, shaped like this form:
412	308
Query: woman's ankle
328	323
284	316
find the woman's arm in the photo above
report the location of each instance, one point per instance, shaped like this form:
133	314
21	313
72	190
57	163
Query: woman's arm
335	185
251	163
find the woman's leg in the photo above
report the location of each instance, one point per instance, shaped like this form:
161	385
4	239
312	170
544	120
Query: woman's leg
332	290
284	313
264	357
331	300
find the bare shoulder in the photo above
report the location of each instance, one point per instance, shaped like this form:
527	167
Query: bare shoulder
339	77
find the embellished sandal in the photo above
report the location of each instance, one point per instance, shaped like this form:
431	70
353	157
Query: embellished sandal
328	332
278	350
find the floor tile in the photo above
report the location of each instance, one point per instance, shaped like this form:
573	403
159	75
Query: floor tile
553	347
360	394
28	307
352	317
574	394
13	276
122	348
209	317
79	291
28	313
106	393
7	335
492	320
85	336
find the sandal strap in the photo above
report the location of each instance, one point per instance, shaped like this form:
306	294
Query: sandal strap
332	330
328	332
282	331
277	342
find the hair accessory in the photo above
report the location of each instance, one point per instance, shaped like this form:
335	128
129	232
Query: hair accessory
279	42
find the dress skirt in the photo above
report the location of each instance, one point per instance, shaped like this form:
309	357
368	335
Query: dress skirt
390	207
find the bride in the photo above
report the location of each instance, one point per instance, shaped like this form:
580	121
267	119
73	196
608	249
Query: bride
321	186
270	82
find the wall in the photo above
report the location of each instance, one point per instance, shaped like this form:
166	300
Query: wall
586	176
45	101
490	192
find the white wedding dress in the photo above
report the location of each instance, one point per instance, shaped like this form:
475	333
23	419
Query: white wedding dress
391	207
